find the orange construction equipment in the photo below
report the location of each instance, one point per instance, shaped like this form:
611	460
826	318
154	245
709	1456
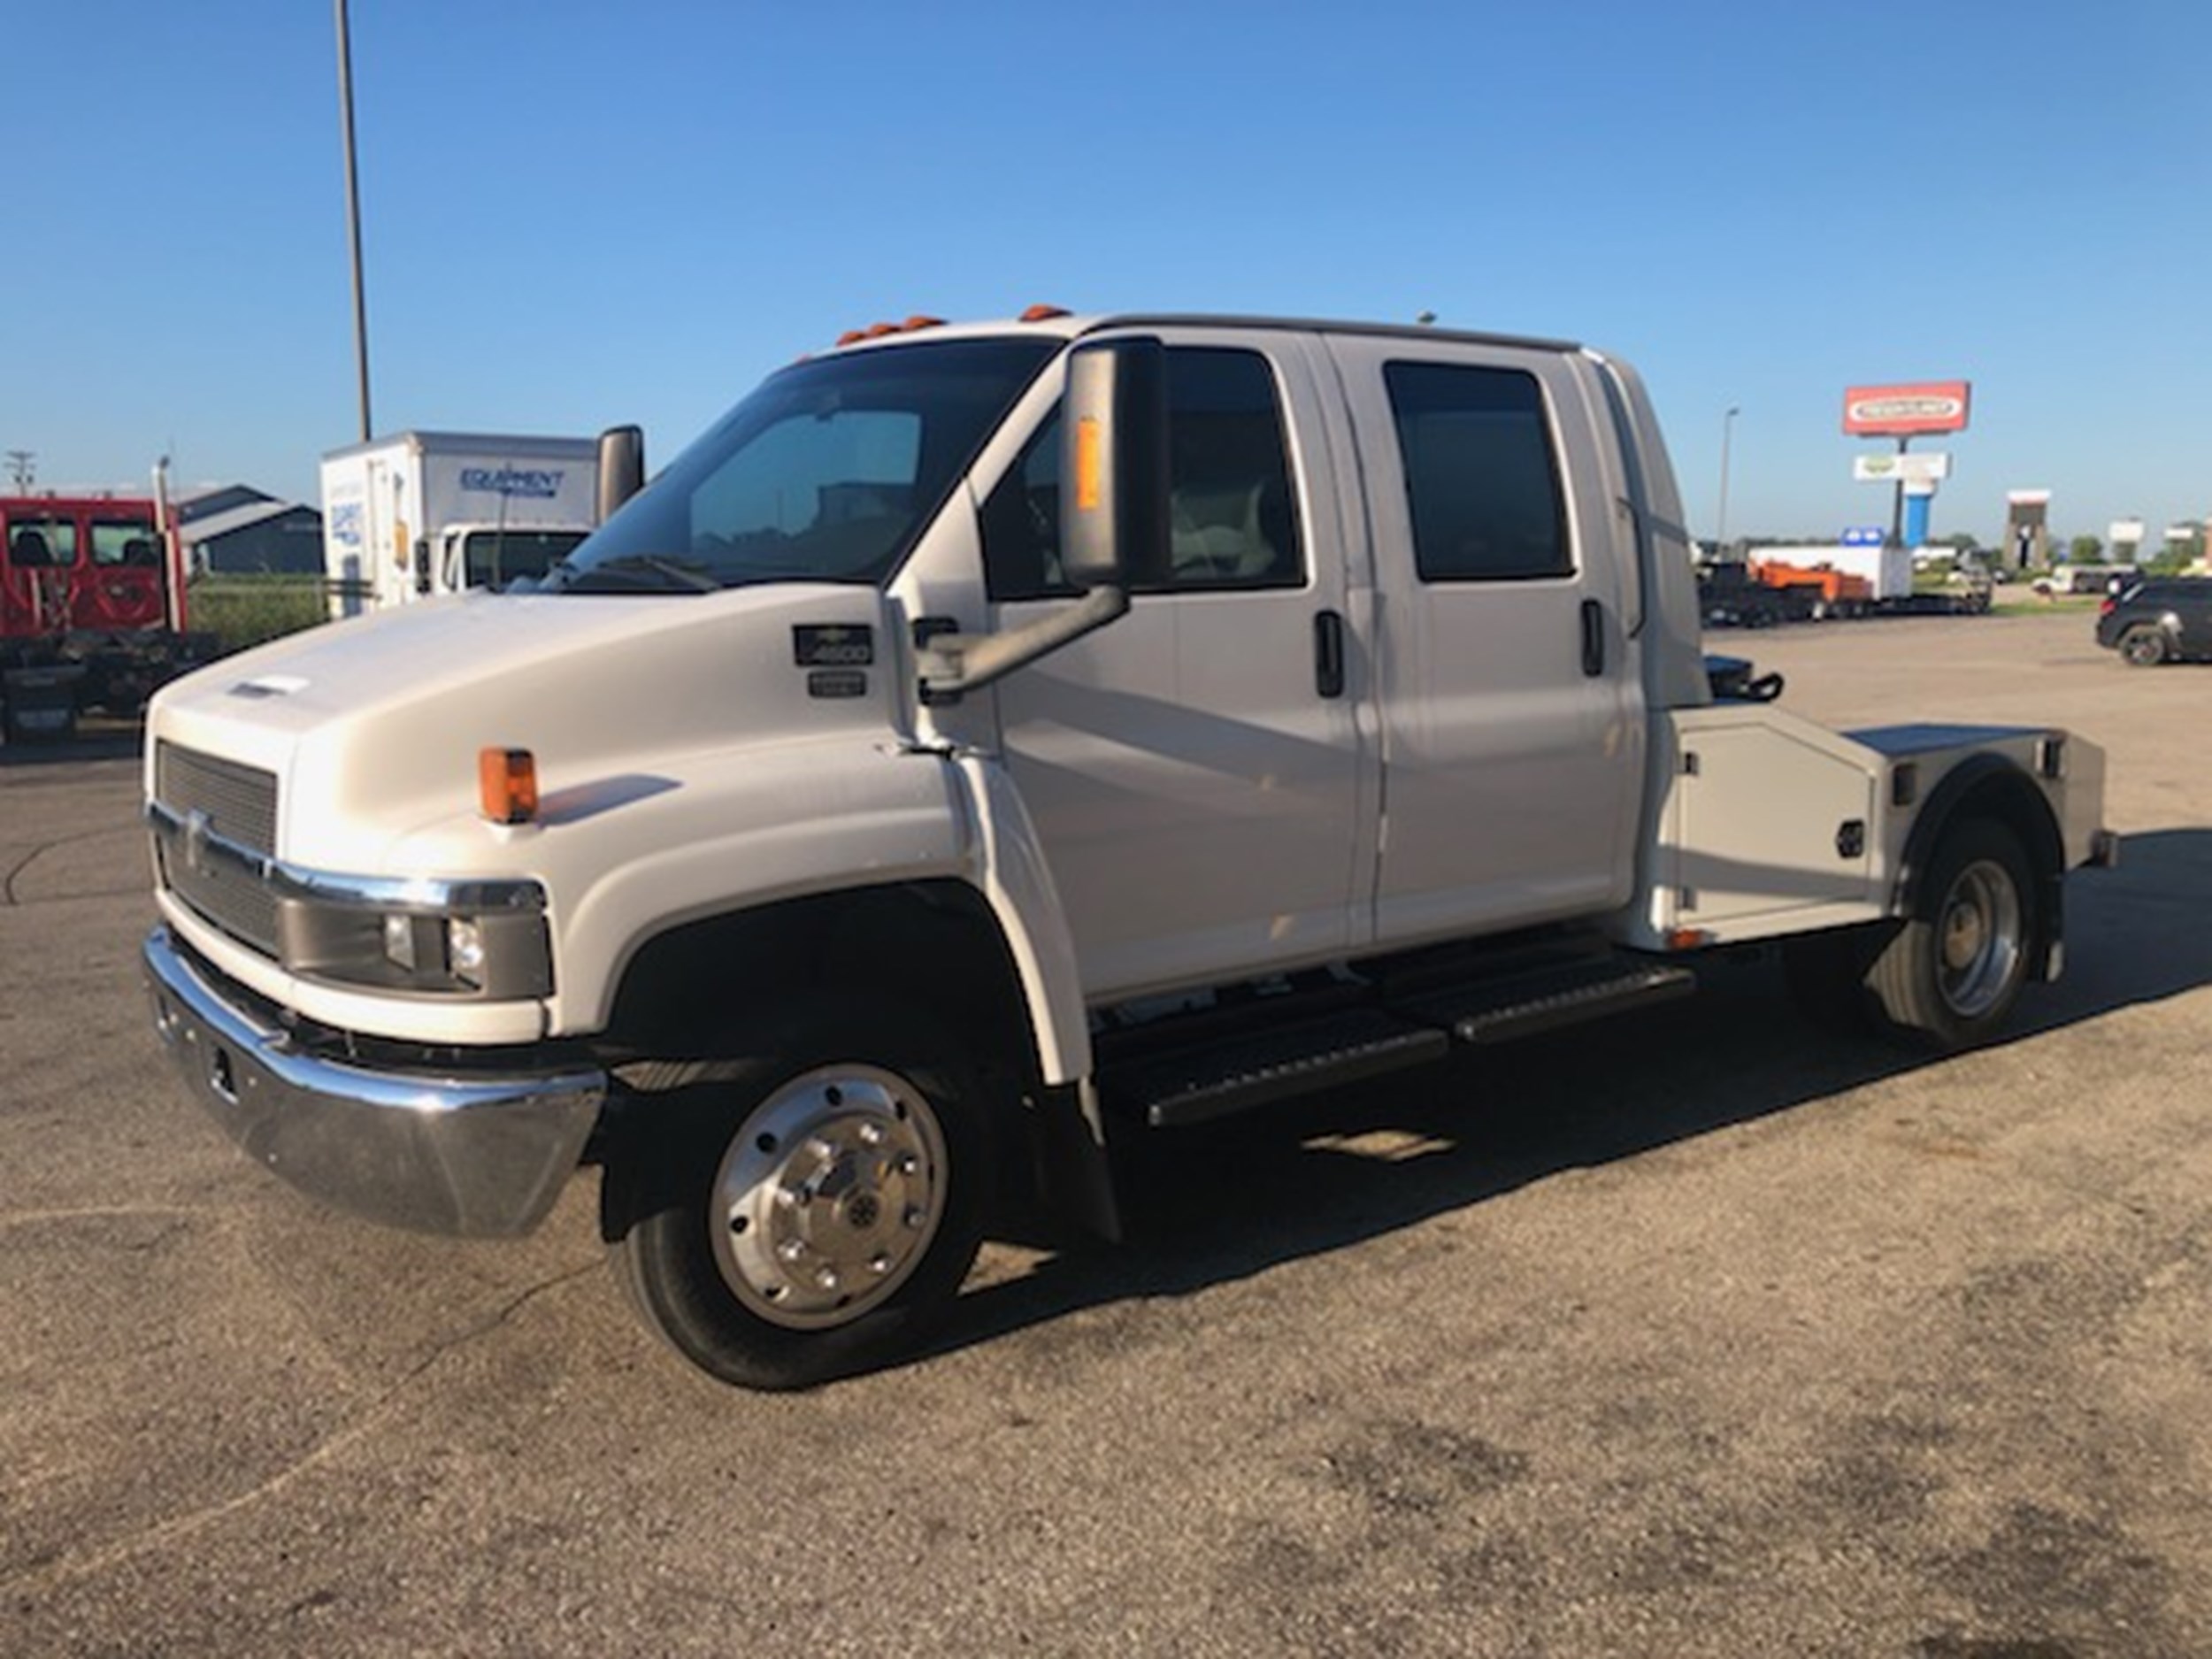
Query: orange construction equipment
1828	591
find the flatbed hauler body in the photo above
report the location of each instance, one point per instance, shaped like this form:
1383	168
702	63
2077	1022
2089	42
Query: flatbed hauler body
989	741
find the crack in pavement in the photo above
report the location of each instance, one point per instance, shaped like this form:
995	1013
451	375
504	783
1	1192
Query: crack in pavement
108	1212
11	899
73	1567
7	886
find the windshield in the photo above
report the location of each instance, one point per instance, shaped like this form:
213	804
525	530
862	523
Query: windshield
826	474
493	558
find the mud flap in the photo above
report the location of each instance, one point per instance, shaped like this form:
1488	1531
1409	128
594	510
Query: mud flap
1075	1176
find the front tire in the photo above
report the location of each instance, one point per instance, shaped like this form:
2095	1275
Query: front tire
790	1217
1950	978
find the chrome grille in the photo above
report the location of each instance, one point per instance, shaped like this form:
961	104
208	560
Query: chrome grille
239	807
241	801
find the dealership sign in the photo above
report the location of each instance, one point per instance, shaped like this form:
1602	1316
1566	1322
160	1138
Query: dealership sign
1927	468
1876	411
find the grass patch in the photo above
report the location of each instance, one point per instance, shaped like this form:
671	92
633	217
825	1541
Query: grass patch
243	611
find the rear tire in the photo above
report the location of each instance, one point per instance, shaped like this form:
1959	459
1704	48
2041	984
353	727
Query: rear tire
806	1212
1950	978
2143	646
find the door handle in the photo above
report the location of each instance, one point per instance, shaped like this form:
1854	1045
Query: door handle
1593	638
1328	653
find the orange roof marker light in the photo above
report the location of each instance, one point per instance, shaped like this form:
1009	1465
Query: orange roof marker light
506	784
1044	314
877	331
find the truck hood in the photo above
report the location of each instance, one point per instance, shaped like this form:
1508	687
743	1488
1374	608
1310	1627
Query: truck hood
373	727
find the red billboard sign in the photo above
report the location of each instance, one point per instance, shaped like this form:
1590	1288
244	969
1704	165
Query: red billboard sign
1877	411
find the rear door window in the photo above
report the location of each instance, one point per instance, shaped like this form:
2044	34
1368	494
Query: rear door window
1482	484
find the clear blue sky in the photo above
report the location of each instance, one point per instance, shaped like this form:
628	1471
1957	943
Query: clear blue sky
579	214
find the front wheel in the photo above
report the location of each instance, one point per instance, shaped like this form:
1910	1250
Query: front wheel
800	1216
1950	978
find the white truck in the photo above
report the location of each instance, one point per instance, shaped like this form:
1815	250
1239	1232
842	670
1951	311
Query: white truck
1887	570
424	514
992	740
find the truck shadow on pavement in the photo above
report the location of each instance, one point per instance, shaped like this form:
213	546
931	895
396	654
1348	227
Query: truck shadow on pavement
1224	1202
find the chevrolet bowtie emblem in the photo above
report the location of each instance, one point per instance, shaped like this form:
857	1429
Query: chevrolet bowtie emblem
197	827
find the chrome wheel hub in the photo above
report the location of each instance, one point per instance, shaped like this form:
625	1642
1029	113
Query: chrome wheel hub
1978	939
829	1195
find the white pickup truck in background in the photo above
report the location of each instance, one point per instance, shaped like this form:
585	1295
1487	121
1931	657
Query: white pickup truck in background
992	740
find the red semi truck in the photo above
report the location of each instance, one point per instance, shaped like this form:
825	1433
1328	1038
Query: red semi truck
91	609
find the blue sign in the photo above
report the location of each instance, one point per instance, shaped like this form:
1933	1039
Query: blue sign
1861	536
345	523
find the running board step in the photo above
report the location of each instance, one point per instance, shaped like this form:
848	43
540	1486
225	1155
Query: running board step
1172	1091
1522	1006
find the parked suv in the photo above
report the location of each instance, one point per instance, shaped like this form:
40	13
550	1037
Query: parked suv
2168	620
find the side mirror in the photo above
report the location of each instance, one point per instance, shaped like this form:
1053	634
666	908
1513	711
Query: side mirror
422	566
621	467
1114	464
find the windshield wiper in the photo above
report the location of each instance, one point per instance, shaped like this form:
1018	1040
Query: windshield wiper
633	572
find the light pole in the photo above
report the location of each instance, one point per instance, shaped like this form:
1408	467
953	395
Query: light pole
1720	526
353	214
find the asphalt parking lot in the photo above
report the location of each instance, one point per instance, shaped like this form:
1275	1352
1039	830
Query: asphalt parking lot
1702	1335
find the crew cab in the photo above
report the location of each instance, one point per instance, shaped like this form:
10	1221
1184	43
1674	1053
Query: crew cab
988	741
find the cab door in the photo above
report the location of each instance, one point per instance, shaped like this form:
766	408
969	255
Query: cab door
1506	691
1196	770
2194	612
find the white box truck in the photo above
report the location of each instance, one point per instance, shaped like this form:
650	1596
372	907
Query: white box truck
991	742
425	513
1886	568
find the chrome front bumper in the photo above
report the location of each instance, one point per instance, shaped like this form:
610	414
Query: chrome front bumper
473	1156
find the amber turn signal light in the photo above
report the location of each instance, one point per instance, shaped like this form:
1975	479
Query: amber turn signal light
506	784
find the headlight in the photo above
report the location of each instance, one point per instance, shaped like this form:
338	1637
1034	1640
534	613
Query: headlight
453	938
465	950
